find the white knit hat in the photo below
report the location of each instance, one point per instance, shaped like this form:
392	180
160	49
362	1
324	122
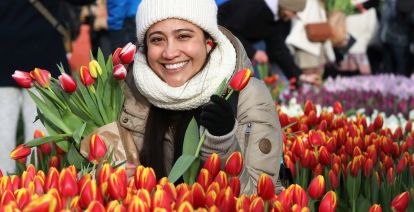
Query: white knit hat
202	13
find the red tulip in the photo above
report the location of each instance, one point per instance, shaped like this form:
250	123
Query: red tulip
265	188
26	178
211	198
89	193
52	179
119	72
115	57
14	181
47	147
225	200
333	179
234	164
243	203
234	184
68	83
23	79
114	206
338	108
137	204
199	196
97	148
144	196
408	127
204	178
214	186
221	179
117	184
368	168
46	202
299	195
59	150
39	184
375	208
185	207
23	197
378	122
257	205
317	187
96	206
402	163
328	203
324	156
240	79
103	177
21	151
147	180
85	76
54	162
212	164
42	77
68	186
127	53
400	202
160	199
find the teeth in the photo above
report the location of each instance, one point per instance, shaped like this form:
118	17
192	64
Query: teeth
175	66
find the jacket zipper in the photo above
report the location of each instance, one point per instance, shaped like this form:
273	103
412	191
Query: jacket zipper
247	134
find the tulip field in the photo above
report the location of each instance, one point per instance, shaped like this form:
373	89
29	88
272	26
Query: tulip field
344	150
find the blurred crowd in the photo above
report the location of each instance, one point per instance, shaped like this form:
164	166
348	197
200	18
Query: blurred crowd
354	37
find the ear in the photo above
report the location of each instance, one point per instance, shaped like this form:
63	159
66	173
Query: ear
209	45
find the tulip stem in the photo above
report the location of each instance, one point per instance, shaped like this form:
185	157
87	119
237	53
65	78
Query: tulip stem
200	143
266	205
229	94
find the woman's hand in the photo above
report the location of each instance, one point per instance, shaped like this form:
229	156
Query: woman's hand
260	56
217	116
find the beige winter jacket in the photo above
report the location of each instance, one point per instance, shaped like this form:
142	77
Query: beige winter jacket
257	132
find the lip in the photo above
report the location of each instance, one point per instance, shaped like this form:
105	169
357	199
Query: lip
175	69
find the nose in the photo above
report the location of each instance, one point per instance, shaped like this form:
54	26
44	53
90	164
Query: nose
171	51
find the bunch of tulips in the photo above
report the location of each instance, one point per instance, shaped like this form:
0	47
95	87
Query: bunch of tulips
364	164
73	106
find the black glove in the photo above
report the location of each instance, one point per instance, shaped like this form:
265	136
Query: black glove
217	116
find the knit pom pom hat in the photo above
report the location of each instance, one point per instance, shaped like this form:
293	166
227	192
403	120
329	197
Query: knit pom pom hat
202	13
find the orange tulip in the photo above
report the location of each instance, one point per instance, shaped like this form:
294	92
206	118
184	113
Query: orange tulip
400	202
212	164
265	188
97	148
96	206
21	151
46	202
137	204
240	79
160	199
23	78
42	77
68	186
234	164
328	203
375	208
147	180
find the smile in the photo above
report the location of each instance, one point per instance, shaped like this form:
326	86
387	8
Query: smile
175	65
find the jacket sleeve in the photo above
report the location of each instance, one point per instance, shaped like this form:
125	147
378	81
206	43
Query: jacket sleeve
117	11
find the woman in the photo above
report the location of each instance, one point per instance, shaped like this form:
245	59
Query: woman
184	59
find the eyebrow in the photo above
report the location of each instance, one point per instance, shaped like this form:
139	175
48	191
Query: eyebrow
175	31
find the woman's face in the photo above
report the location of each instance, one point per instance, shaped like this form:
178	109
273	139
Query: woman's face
177	50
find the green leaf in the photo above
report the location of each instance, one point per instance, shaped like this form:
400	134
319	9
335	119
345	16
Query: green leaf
363	204
221	88
101	61
75	158
96	117
77	135
43	140
64	145
180	166
191	138
72	121
49	114
194	169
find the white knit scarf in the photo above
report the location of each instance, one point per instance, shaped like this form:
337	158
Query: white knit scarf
197	90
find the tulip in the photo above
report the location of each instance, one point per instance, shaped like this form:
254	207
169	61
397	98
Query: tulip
400	202
88	193
160	199
21	151
240	79
147	179
214	186
114	206
338	108
257	205
119	72
96	206
368	168
68	186
169	188
375	208
299	195
74	204
85	76
234	184
103	177
199	196
7	197
46	202
39	184
52	179
204	178
221	179
378	122
94	69
212	164
54	162
328	203
26	178
402	163
185	197
225	200
23	79
234	164
144	196
115	57
265	188
14	181
408	127
137	204
42	77
97	148
127	53
324	156
23	197
117	185
47	147
68	83
185	207
317	187
243	203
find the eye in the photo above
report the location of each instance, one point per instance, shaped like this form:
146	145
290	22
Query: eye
155	40
184	37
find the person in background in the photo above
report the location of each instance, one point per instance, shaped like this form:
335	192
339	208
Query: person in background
269	21
29	41
184	58
121	22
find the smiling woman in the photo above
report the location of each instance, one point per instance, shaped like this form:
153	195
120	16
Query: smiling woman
184	59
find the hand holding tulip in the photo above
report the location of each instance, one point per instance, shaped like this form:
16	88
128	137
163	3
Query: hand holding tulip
217	116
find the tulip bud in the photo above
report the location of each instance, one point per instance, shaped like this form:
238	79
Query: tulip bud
127	53
221	179
144	196
85	76
225	200
211	198
299	195
338	108
378	122
52	179
46	202
185	207
234	184
14	181
199	196
160	199
234	164
67	83
39	184
257	205
117	185
324	156
96	206
94	69
243	203
114	206
119	72
97	148
68	186
89	193
137	204
204	178
400	202
328	203
265	188
42	77
23	79
212	164
115	57
21	151
23	197
103	177
54	162
317	187
375	208
147	179
47	147
240	79
408	127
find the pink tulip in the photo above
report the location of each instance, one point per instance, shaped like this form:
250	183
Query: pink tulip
68	83
127	53
23	78
119	72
